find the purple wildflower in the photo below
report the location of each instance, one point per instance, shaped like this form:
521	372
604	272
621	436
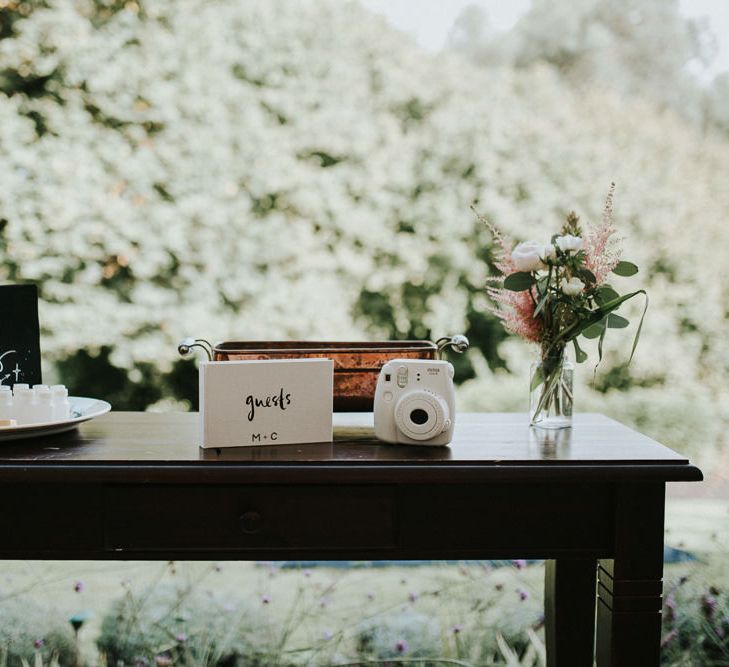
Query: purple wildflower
401	646
370	595
668	639
708	605
307	573
162	660
519	563
181	638
670	605
38	643
327	635
266	599
78	586
457	628
523	595
412	596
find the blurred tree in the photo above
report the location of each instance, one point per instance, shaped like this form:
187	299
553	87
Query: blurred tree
638	47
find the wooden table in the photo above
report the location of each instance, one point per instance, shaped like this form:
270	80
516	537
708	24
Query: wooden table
590	500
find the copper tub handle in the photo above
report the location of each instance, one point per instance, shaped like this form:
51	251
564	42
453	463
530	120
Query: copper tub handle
458	343
187	344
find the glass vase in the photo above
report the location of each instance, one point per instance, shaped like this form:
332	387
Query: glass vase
550	392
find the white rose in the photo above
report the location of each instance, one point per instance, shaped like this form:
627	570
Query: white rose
572	286
527	256
569	242
549	252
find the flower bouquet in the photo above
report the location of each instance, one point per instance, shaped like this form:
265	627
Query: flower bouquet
552	294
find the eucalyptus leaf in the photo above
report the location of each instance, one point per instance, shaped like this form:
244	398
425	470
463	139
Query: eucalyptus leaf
519	281
594	331
616	321
580	354
605	293
587	276
625	269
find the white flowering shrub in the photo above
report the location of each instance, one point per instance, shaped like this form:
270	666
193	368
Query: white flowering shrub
289	170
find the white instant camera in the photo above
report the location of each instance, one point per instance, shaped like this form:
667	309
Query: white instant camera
415	403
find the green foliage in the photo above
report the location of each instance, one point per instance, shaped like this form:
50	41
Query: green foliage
695	624
183	625
407	634
518	282
626	269
86	374
28	629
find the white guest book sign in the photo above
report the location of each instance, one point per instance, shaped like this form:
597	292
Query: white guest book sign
249	403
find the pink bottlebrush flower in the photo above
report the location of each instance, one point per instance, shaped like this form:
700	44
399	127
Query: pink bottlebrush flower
602	246
517	313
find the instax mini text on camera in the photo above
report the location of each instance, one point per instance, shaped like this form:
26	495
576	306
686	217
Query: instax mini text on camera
415	402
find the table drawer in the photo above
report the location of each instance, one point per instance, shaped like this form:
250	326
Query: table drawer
515	518
199	518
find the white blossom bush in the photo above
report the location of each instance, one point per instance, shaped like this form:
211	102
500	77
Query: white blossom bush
288	170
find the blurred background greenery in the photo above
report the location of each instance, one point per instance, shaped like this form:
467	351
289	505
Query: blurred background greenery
305	170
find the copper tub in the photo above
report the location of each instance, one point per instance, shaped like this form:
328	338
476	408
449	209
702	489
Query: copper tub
356	365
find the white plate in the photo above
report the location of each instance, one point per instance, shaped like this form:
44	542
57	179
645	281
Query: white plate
82	410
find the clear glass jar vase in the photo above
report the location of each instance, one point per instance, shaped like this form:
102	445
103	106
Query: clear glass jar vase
550	392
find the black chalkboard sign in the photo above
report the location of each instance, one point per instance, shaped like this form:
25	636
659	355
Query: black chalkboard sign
20	359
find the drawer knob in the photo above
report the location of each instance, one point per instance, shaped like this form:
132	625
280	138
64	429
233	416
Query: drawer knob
250	522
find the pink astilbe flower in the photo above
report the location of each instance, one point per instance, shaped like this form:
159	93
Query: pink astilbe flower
516	312
602	246
516	309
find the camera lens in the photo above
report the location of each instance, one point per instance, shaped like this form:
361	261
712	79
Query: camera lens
418	416
421	414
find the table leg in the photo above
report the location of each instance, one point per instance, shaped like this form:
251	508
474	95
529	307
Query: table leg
630	585
569	611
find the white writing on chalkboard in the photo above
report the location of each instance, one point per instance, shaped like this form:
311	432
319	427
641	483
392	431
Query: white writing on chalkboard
15	371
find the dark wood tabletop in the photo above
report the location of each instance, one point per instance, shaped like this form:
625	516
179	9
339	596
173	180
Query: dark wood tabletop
485	446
